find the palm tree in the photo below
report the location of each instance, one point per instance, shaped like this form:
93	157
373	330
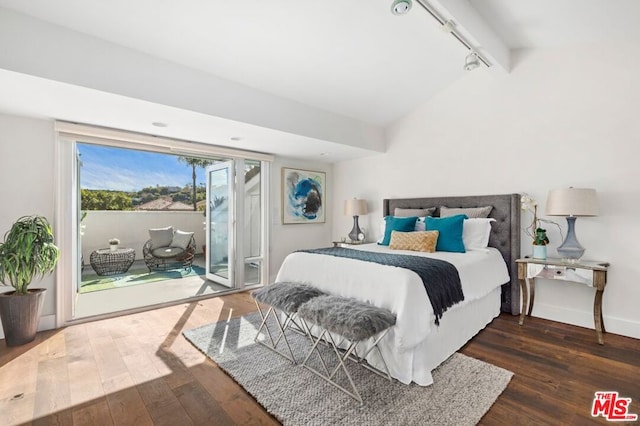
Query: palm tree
195	162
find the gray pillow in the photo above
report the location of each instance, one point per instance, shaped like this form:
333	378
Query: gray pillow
413	212
161	237
471	212
181	239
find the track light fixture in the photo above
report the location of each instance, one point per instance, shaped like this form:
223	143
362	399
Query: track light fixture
471	62
400	7
473	59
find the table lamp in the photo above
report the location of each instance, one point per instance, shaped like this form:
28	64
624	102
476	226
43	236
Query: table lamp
572	203
355	208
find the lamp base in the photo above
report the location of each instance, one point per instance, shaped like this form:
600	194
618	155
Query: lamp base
571	248
353	235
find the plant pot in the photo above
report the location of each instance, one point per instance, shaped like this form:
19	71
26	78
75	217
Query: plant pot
20	315
539	252
113	247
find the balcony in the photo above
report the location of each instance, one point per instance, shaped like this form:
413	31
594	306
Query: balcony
137	287
132	228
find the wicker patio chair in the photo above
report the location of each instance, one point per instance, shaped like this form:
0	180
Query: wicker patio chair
168	256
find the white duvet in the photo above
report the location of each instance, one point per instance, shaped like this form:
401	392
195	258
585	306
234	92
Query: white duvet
397	289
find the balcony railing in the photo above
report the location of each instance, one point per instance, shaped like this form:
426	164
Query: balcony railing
132	228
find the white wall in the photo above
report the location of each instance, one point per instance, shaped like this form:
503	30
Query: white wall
288	238
562	117
26	183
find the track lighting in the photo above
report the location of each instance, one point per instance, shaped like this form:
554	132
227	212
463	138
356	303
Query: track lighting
400	7
473	59
471	62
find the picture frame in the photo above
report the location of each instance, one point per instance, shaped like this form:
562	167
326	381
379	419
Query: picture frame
304	195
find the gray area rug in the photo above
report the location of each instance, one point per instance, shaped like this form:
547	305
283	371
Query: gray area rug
463	390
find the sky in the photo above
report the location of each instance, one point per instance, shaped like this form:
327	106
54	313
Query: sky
130	170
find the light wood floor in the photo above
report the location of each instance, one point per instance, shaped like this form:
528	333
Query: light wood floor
139	370
131	370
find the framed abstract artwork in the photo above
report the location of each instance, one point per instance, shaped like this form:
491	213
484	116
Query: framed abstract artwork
303	196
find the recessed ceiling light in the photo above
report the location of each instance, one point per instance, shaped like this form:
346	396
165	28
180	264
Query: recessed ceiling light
159	124
235	138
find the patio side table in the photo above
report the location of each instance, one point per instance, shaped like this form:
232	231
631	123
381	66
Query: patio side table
111	262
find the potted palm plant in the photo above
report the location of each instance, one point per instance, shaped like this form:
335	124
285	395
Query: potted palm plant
28	251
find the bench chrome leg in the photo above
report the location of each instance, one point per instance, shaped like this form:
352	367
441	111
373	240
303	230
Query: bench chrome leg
341	358
342	355
361	359
274	342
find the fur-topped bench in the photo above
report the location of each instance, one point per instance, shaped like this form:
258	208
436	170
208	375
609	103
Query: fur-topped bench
286	298
352	320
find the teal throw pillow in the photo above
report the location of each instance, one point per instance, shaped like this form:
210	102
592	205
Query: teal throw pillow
450	228
393	223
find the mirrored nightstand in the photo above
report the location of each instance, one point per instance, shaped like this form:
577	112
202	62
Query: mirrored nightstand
590	273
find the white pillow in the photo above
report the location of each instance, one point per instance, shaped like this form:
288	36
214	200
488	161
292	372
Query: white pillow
475	233
383	225
181	239
420	226
161	237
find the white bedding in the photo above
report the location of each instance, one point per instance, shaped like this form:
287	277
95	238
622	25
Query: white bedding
402	292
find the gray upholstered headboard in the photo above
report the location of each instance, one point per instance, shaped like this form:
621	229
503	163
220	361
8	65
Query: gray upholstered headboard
505	233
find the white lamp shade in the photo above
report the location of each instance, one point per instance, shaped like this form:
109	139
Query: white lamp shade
355	207
572	202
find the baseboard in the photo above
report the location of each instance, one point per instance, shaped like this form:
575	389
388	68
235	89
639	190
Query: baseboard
47	322
613	325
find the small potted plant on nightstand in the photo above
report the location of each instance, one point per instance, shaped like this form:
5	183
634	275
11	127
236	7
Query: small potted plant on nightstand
27	251
540	244
537	233
113	244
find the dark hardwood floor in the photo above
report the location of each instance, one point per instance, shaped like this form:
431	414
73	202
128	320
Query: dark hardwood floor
557	369
139	370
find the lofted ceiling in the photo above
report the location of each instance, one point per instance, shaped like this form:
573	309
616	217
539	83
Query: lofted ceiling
352	59
561	23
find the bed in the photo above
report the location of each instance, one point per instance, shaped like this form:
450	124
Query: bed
416	345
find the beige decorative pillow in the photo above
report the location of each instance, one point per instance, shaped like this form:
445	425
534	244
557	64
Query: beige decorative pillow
415	241
471	212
